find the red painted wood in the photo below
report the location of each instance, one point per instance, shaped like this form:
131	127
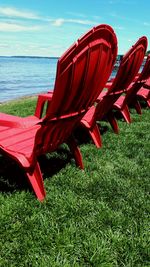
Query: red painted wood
127	71
129	97
82	72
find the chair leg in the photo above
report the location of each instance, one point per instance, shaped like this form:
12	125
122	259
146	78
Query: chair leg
148	103
137	106
95	135
126	114
113	122
37	182
71	142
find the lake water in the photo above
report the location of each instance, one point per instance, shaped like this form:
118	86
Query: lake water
24	76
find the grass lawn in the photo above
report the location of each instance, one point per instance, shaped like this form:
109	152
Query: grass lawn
97	217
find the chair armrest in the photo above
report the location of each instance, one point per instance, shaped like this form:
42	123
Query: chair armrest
108	84
147	86
9	120
101	95
18	122
50	93
105	90
42	99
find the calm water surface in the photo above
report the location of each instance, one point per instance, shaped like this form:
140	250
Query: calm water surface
22	76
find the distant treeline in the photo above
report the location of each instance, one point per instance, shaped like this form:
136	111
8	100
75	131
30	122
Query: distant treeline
30	57
148	52
119	57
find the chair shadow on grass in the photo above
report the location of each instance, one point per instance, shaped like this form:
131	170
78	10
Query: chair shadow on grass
142	102
82	136
13	178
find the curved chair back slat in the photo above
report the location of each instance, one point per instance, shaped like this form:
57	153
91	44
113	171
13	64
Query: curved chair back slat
130	65
145	73
81	74
87	64
126	73
130	96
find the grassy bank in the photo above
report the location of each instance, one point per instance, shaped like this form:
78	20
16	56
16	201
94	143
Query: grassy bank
96	217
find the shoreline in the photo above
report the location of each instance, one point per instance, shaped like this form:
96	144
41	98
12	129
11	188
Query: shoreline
19	99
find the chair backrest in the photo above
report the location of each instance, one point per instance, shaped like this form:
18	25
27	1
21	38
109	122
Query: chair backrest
88	63
126	73
145	73
130	65
81	74
137	84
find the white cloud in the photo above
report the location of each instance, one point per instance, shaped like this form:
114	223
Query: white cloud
8	27
4	45
83	22
60	21
13	12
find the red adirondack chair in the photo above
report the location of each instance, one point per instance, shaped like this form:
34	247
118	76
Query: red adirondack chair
144	92
124	101
127	71
81	72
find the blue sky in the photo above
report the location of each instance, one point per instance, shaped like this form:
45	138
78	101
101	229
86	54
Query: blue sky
49	27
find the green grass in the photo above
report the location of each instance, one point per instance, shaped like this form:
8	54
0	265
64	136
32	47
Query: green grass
96	217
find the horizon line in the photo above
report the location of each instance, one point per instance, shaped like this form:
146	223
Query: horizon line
31	56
